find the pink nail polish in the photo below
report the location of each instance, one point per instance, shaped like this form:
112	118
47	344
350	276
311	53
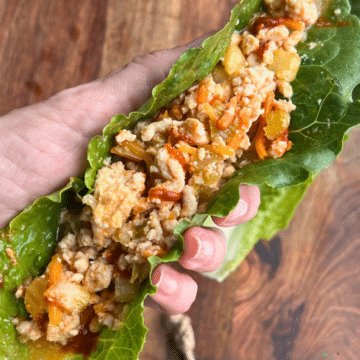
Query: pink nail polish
156	277
205	252
166	283
196	248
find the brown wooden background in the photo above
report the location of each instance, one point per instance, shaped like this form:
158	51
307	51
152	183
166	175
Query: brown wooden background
296	297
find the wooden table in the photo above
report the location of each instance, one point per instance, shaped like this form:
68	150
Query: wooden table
296	297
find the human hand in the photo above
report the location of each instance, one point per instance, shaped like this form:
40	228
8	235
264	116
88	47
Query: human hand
43	145
204	251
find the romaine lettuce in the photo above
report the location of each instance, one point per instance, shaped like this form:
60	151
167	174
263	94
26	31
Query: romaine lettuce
325	112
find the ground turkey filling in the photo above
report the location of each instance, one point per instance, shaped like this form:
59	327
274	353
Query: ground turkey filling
167	169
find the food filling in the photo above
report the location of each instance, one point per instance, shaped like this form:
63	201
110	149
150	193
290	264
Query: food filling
166	169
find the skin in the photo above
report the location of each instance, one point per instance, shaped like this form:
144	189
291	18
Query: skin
43	145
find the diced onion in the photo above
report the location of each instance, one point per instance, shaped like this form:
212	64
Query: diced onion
125	291
132	150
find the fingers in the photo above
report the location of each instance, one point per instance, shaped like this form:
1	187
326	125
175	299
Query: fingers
204	249
245	210
175	291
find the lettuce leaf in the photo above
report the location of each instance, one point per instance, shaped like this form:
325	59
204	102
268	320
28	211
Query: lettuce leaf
192	66
325	112
32	237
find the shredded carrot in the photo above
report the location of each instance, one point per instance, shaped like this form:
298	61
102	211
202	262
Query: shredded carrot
260	134
220	149
203	94
260	139
177	155
269	102
55	314
294	24
210	111
229	117
217	98
55	271
185	148
235	141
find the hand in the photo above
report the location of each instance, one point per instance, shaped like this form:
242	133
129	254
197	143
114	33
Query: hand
204	251
43	145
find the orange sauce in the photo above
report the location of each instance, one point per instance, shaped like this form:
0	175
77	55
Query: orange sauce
164	195
261	50
85	342
45	350
178	156
265	22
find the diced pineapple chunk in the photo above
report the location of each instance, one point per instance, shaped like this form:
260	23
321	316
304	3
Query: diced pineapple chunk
35	301
285	64
277	122
69	296
234	60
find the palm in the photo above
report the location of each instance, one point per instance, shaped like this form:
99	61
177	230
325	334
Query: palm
39	155
43	145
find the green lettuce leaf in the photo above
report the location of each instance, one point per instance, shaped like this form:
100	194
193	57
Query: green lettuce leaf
32	237
325	112
192	66
276	210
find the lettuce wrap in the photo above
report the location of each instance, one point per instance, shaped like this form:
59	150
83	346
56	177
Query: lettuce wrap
326	96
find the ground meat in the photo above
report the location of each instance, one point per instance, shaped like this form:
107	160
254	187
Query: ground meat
304	10
124	135
116	192
67	328
171	170
158	127
249	43
193	131
98	276
189	202
29	330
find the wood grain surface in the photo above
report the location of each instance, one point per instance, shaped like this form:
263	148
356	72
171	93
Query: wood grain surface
296	297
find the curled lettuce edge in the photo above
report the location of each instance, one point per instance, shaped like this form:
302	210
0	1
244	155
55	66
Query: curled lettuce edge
325	113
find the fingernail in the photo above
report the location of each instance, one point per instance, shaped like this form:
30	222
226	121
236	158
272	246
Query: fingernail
165	282
195	248
205	250
241	209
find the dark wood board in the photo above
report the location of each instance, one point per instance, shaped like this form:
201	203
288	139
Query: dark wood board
296	297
